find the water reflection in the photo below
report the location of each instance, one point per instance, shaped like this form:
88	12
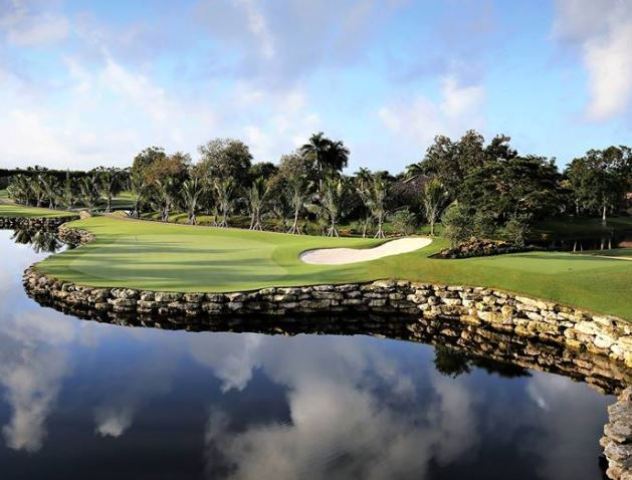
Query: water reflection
80	399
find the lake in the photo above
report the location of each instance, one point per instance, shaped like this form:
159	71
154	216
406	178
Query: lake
83	399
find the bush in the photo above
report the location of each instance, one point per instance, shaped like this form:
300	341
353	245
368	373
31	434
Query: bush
517	230
457	224
404	221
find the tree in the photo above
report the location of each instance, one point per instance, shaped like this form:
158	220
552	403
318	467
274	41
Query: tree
166	191
328	156
140	189
224	189
145	160
90	194
111	184
192	190
373	195
331	203
403	221
434	197
518	187
225	158
257	195
600	179
457	223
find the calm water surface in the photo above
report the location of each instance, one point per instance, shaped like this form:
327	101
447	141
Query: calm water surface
80	399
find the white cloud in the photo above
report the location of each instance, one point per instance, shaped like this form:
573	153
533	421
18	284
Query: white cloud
602	31
24	24
421	119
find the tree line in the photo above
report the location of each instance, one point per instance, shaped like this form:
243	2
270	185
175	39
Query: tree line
473	187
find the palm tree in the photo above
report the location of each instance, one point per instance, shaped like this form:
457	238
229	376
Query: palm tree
331	203
328	156
224	190
140	189
362	179
67	195
110	183
434	197
297	190
51	187
89	186
373	196
20	190
192	190
166	195
257	195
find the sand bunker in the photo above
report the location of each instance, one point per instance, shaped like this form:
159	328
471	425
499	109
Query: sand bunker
341	256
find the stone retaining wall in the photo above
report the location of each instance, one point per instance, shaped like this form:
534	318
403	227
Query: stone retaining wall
47	223
617	439
74	236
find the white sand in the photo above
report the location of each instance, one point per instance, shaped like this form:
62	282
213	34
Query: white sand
342	256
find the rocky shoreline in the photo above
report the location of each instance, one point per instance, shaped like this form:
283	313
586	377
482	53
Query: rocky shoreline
437	314
45	223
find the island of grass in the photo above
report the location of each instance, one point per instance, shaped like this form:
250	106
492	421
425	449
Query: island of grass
168	257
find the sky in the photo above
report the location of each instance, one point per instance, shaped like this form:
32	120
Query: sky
88	83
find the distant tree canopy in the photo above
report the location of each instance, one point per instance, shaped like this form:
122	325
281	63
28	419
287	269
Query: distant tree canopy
600	180
474	187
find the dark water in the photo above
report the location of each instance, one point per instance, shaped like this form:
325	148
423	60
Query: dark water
81	399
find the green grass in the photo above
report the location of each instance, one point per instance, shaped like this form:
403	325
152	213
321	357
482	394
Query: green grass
8	209
152	255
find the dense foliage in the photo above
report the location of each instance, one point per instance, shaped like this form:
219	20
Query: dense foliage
474	188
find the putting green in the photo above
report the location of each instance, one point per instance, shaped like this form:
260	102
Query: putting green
140	254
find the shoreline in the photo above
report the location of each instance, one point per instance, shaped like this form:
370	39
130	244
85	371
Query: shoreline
483	312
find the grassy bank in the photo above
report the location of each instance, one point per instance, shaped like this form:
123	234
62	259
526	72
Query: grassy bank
159	256
8	209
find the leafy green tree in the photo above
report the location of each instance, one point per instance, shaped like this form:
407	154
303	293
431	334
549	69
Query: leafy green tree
165	195
457	223
225	158
403	221
519	187
600	179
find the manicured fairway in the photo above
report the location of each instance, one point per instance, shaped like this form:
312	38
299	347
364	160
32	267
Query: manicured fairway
159	256
8	209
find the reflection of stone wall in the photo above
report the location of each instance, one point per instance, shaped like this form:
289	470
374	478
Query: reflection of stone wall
49	223
518	315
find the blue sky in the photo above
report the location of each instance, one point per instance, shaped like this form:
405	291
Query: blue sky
88	83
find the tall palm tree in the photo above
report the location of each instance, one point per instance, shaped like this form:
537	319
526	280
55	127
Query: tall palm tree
224	196
257	196
297	190
67	194
192	190
373	196
328	156
21	190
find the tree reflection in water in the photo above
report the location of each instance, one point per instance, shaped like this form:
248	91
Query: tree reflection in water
42	241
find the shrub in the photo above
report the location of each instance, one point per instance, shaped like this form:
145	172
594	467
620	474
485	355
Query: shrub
404	221
457	224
